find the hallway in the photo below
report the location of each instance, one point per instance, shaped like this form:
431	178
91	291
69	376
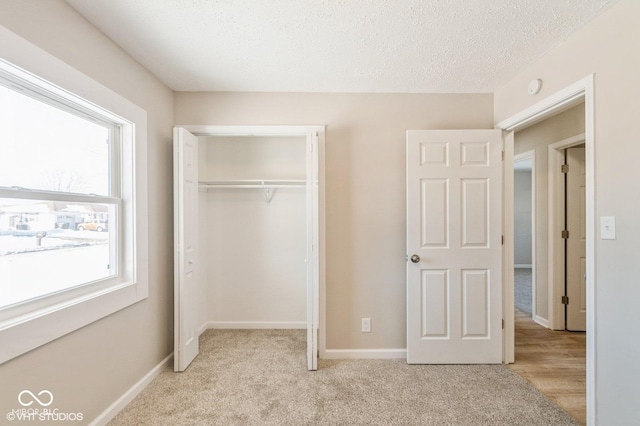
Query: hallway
554	362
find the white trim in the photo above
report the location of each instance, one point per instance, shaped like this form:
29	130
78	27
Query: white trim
107	415
208	130
508	284
203	327
552	105
523	266
590	161
534	239
320	325
365	354
555	251
257	325
539	320
312	307
560	101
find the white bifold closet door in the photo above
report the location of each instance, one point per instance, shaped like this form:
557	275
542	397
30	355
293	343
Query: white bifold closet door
186	286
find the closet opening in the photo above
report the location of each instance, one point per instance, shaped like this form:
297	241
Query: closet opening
256	206
252	221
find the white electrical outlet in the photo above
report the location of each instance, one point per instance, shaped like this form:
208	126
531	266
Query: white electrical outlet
366	325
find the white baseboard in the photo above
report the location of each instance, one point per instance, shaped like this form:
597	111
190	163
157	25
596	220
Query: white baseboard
203	328
107	415
523	266
542	321
364	354
257	325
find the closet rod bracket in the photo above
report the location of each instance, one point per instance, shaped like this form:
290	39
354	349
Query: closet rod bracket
268	193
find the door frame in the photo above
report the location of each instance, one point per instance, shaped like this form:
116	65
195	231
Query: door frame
531	155
582	90
556	249
316	223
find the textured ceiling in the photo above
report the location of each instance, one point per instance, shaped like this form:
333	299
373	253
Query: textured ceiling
409	46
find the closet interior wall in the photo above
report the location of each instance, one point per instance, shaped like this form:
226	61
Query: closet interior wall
253	241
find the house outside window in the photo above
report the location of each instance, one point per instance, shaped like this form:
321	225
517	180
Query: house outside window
54	164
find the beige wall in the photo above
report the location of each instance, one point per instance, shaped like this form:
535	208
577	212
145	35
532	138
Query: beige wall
608	47
89	369
365	190
537	138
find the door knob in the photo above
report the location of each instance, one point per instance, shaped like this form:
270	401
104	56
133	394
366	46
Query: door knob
415	258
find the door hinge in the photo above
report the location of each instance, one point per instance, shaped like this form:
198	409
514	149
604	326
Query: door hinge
503	324
564	168
565	300
503	240
502	154
565	234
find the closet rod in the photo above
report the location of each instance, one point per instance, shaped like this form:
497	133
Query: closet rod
268	186
260	184
210	186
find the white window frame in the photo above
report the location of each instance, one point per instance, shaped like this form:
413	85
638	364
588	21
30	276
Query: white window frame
30	325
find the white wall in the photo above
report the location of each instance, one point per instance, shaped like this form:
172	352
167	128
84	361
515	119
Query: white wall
254	251
89	369
608	47
365	190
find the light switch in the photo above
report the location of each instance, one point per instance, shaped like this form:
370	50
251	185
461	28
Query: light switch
607	227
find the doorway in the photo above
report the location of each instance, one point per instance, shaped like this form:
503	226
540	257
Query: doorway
552	361
575	250
567	234
524	233
258	161
581	91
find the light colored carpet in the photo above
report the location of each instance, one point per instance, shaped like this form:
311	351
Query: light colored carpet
258	377
522	281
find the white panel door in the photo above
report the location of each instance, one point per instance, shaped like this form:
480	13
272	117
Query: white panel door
576	251
454	232
186	291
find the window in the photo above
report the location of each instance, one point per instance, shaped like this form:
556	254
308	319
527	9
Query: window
59	196
72	190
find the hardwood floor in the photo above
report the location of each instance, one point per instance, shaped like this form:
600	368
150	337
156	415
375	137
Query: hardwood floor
554	362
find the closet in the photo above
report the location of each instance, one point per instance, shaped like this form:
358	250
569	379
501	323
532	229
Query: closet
247	231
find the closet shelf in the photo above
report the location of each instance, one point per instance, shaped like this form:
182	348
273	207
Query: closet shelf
269	186
254	183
